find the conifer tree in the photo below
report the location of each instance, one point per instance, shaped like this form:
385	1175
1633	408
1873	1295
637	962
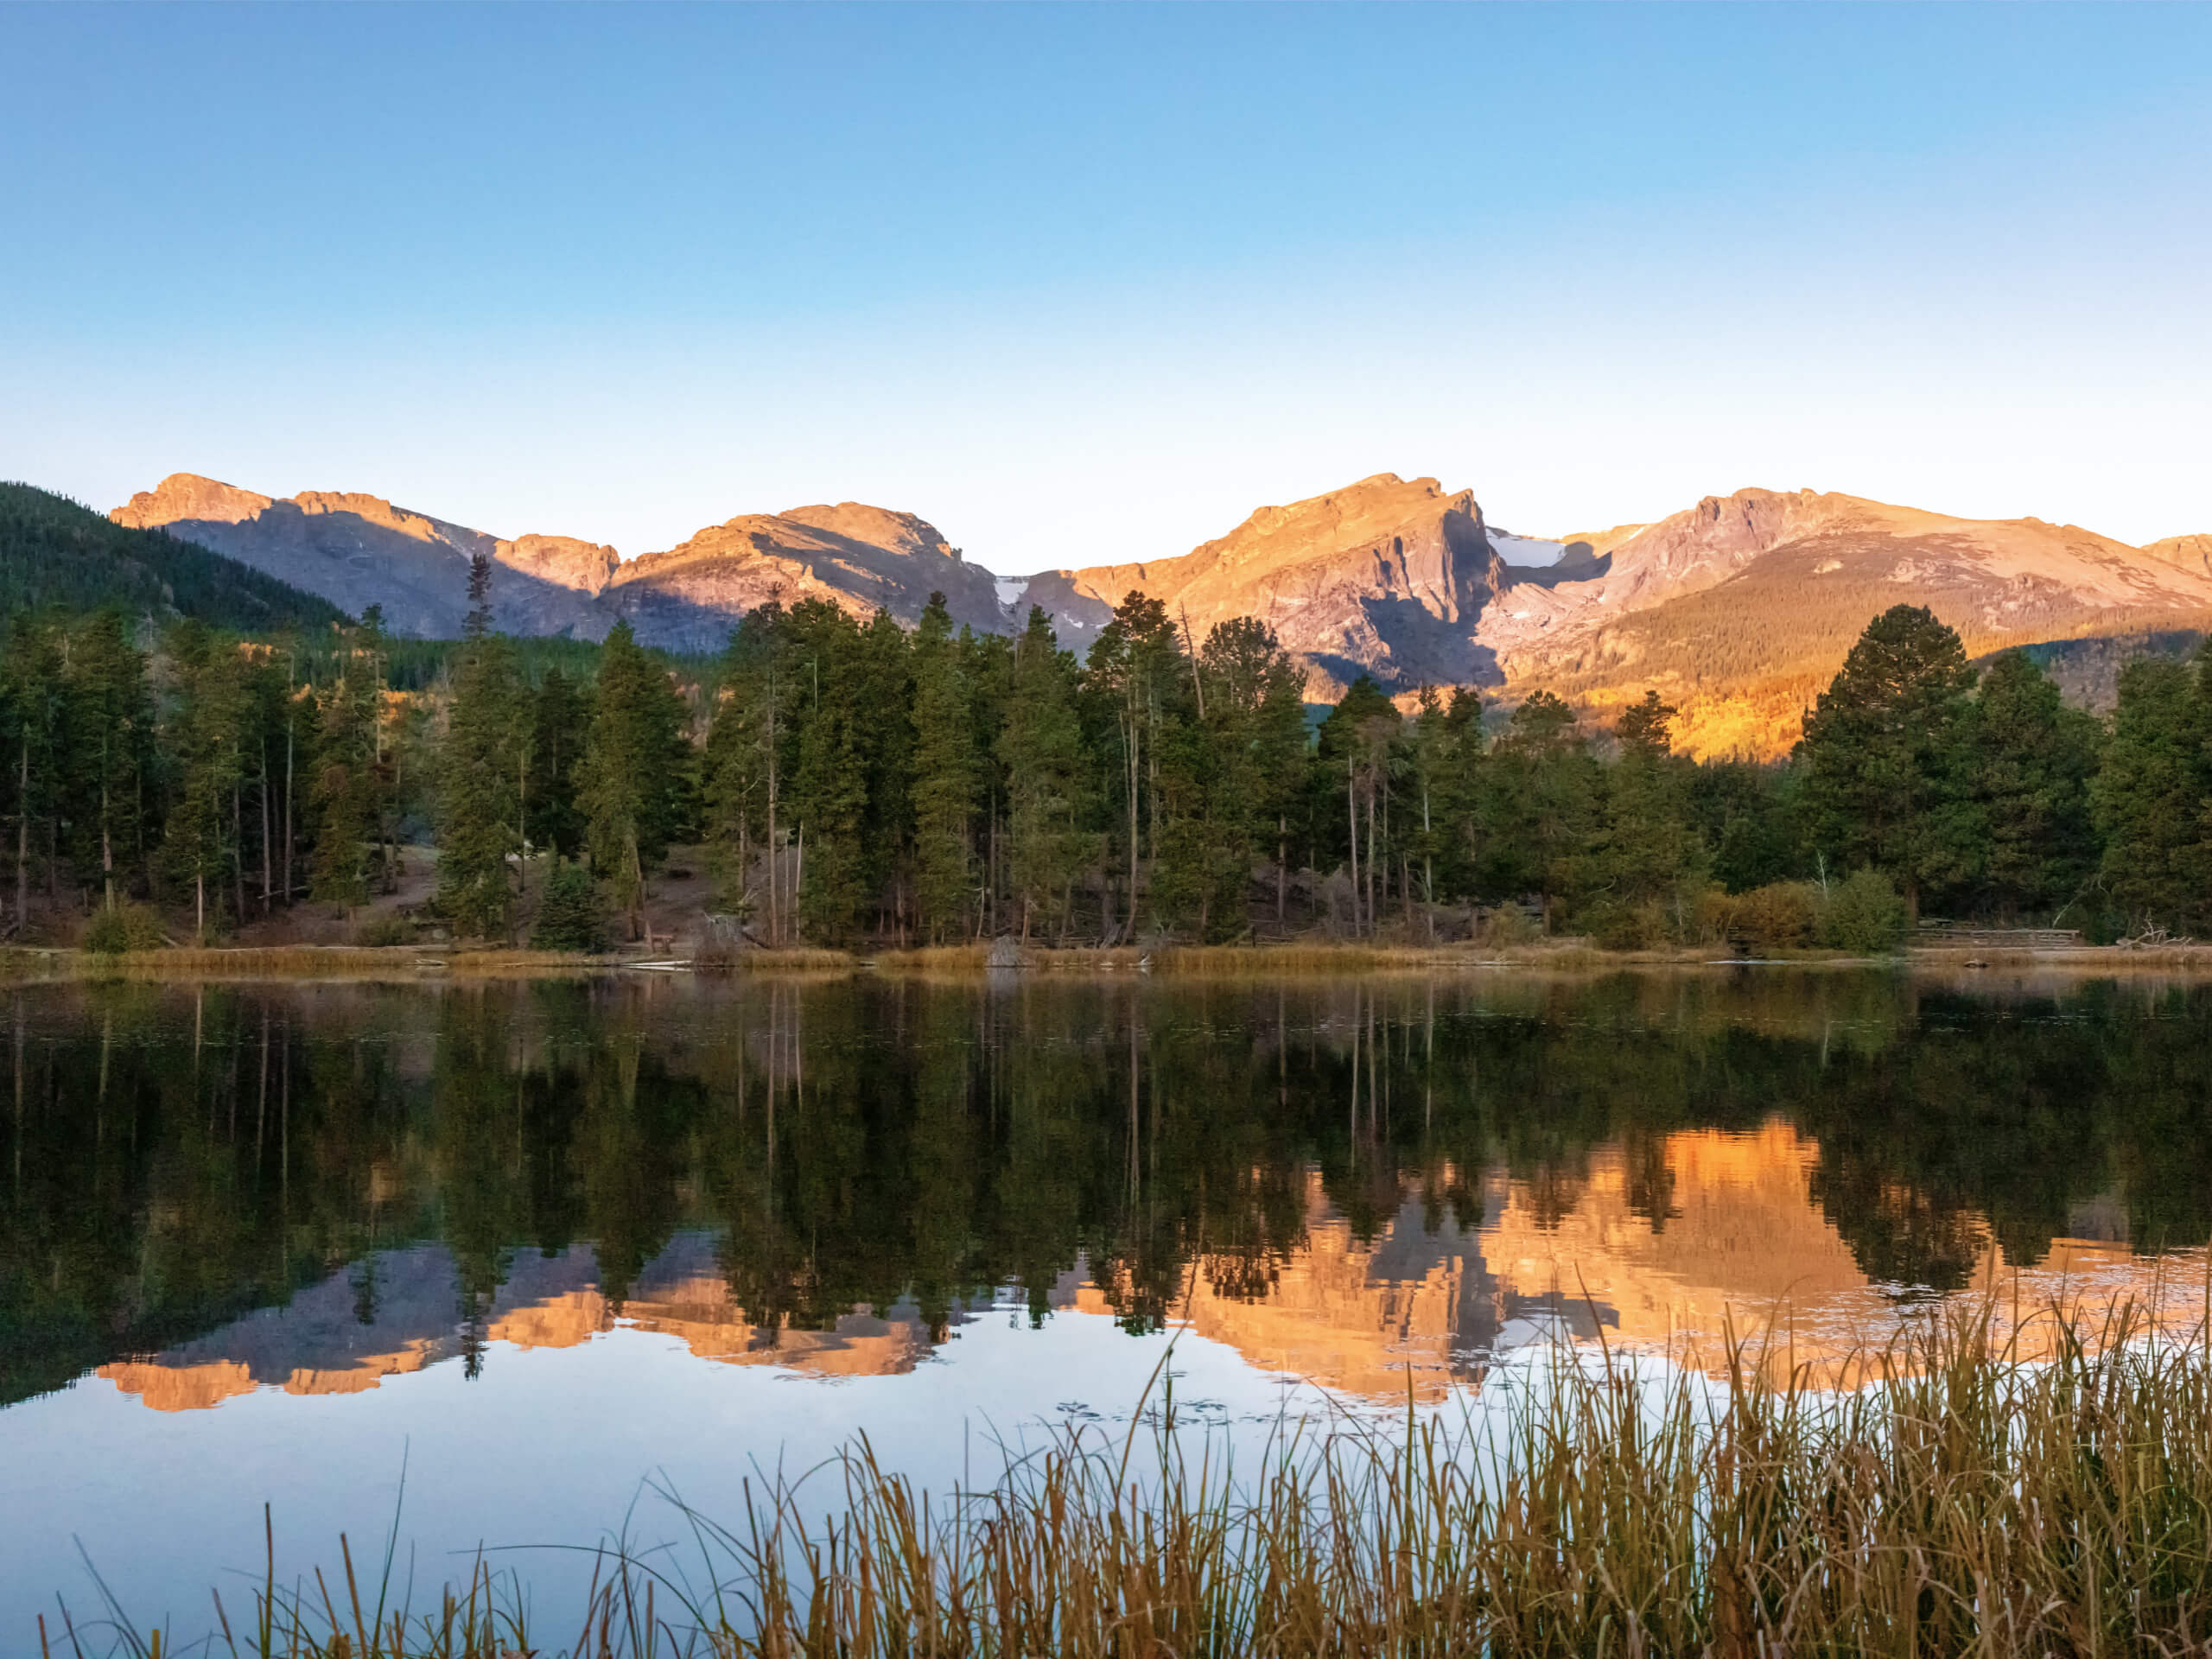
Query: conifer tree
1544	806
829	792
2029	759
1134	678
560	716
109	739
1353	751
632	773
2150	797
1882	757
745	776
32	701
1041	750
1651	865
198	843
567	911
1249	696
349	773
944	781
480	788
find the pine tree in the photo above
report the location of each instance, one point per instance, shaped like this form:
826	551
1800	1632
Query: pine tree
198	844
1041	748
2029	761
1134	679
560	716
567	911
350	775
1544	805
943	785
1649	866
1250	751
2150	797
744	769
829	792
1882	755
1354	750
109	743
631	776
479	790
31	698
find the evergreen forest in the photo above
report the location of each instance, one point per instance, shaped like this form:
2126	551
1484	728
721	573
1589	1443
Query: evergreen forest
850	781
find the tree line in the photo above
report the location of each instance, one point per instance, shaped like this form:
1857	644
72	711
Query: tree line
849	780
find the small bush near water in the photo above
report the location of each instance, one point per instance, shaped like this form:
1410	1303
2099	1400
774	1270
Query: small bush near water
114	931
568	913
1967	1502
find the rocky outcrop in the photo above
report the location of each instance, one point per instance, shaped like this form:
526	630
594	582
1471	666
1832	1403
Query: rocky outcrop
1384	577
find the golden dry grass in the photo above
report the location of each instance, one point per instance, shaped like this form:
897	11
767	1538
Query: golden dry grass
1969	1502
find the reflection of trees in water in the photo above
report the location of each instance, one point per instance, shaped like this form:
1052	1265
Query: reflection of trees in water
174	1157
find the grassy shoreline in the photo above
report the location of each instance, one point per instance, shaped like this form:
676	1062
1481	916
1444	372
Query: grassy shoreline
1972	1500
1290	958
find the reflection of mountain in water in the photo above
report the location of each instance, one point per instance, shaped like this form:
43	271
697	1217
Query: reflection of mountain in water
393	1313
1742	1245
1343	1178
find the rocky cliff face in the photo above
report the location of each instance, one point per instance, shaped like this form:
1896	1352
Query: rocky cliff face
1385	577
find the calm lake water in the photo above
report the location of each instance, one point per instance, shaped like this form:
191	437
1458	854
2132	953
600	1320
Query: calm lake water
538	1244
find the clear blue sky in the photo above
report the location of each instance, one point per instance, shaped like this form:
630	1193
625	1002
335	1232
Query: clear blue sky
1078	284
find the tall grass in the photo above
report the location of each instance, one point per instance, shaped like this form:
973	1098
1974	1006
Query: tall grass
1966	1501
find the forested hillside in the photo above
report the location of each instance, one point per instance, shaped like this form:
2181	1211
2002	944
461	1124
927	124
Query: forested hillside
846	781
55	552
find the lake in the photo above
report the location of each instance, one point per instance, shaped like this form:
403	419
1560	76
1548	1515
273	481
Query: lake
538	1244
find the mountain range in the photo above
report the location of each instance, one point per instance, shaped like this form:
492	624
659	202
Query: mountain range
1736	609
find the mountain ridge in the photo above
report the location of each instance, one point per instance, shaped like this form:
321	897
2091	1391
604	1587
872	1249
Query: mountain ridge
1731	607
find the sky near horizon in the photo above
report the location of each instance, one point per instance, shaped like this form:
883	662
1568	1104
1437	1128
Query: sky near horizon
1080	285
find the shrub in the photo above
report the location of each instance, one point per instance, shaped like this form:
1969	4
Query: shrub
1508	924
568	911
380	931
1630	927
126	927
1864	915
1777	917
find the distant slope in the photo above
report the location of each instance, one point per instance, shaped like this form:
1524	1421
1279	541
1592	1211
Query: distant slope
2088	670
56	551
1741	609
358	550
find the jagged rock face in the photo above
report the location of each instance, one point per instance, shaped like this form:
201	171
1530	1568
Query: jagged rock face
358	550
856	557
1385	577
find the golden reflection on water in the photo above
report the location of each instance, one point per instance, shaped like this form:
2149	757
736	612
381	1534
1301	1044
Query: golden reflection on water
1743	1251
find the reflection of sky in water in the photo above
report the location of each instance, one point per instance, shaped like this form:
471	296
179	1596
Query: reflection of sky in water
1721	1210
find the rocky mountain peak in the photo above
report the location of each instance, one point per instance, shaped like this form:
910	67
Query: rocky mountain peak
187	495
